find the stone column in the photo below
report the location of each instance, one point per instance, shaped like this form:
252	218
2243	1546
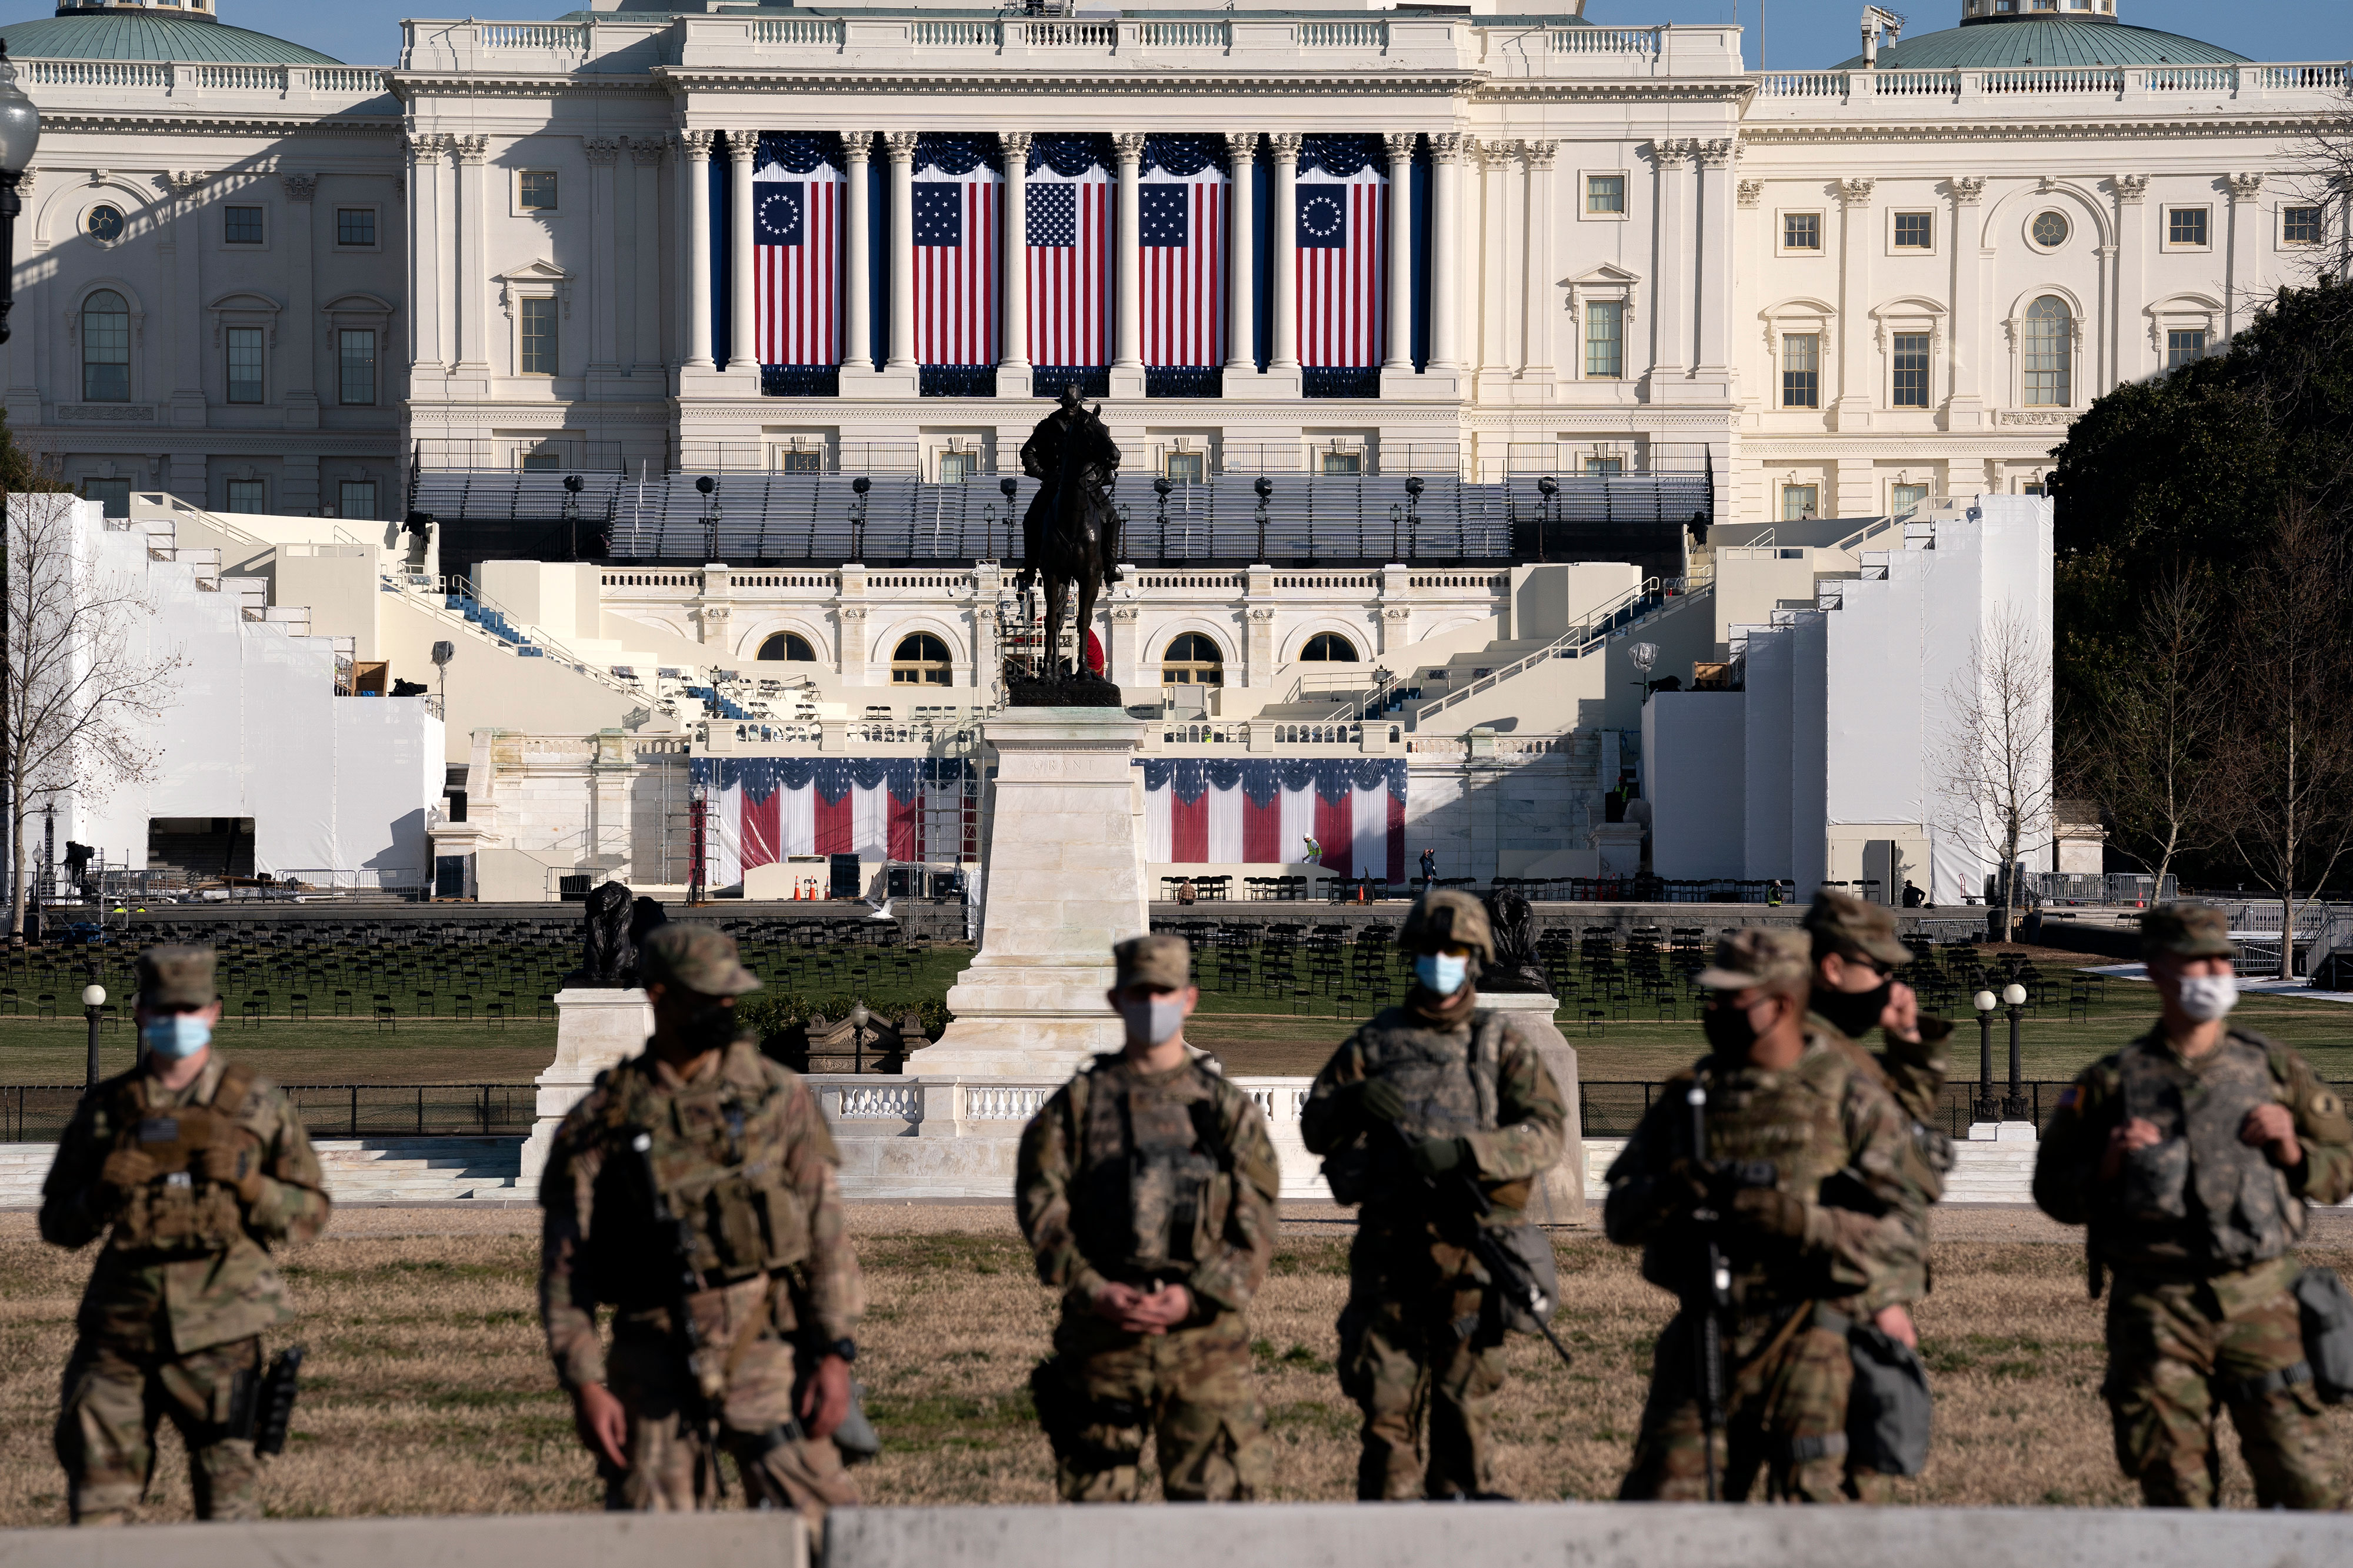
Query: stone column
1127	329
2247	246
1446	262
1013	367
1713	370
858	369
1399	311
2134	348
181	319
604	154
743	320
1537	377
594	1028
900	145
644	218
1495	244
473	267
853	644
428	267
1966	410
1241	307
1670	354
1850	409
1283	268
300	354
1125	657
698	146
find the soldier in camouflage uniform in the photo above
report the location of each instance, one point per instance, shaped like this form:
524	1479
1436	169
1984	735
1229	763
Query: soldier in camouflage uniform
1147	1188
1855	955
1824	1243
192	1168
2191	1155
737	1150
1424	1091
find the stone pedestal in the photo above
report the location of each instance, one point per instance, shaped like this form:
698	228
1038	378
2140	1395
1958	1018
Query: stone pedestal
1062	881
594	1029
1620	847
1560	1199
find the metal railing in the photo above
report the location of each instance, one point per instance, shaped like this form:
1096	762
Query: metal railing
2095	888
37	1113
1612	615
1613	1107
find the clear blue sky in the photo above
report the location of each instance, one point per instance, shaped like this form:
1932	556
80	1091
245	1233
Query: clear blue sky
1797	32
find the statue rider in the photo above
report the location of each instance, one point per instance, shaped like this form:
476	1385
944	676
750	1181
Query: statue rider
1042	460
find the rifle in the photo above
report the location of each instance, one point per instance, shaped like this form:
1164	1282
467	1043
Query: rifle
706	1372
1511	1274
274	1402
1716	1292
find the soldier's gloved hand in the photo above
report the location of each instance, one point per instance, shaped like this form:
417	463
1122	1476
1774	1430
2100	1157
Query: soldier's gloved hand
239	1169
1771	1211
1684	1183
126	1170
1381	1100
1435	1157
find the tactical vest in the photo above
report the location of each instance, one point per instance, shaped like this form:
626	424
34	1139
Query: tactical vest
1155	1178
1450	1088
178	1210
2219	1197
717	1156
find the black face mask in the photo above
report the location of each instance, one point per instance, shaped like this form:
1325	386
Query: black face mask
1728	1030
1851	1012
711	1028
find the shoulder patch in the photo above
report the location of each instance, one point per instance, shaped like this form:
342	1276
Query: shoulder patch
2325	1105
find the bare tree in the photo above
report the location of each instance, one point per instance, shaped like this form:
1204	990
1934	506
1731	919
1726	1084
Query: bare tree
2287	792
2156	763
83	691
2000	794
2320	175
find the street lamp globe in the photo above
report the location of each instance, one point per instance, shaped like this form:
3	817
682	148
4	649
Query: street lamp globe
93	995
20	122
1983	1002
858	1016
2014	994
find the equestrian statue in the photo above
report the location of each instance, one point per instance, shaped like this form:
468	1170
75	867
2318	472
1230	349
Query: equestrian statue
1069	538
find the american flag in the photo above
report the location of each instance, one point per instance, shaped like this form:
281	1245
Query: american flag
1182	225
956	267
796	247
1068	243
1342	240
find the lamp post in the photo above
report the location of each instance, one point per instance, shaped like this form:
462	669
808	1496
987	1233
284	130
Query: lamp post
1549	488
1985	1109
697	810
858	1018
1643	656
20	132
2013	1109
93	999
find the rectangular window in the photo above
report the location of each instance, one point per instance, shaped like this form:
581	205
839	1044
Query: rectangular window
241	226
1800	503
1604	467
535	190
1189	467
955	467
248	495
1341	464
1909	387
1904	500
2186	226
1605	340
357	498
1801	231
1801	370
2299	226
355	360
801	462
543	462
115	495
244	365
2180	348
537	320
1604	194
1915	231
355	226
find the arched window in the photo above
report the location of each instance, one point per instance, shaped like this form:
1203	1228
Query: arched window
1192	659
2049	353
1330	646
788	645
921	659
105	348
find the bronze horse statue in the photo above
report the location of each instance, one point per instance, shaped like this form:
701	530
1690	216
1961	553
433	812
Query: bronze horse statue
1070	535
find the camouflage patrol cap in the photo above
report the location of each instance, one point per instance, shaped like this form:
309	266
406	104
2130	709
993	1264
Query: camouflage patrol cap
1163	958
1448	918
176	977
1844	923
2186	931
699	957
1773	958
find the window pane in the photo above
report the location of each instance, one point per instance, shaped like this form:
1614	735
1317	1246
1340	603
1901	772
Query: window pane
538	336
1910	386
244	365
247	495
115	495
2186	226
358	497
542	462
801	462
241	226
954	466
2300	225
356	350
1342	463
1605	193
1189	467
1801	231
2180	348
1605	466
2049	353
355	225
1798	503
1902	498
1605	340
535	190
1801	378
105	348
1915	231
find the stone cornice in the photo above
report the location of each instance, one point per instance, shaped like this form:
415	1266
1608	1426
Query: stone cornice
1004	84
118	122
1905	134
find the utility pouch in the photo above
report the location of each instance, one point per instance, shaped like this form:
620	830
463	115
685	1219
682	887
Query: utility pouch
1349	1173
275	1403
856	1438
2327	1309
1528	1251
176	1140
2153	1185
1889	1408
244	1402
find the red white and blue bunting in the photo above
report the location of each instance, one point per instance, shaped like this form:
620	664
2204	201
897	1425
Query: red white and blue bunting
1265	812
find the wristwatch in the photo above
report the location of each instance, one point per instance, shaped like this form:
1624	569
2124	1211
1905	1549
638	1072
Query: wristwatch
846	1349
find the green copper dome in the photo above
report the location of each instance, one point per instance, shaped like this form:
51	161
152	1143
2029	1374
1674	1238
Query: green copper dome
145	36
2035	41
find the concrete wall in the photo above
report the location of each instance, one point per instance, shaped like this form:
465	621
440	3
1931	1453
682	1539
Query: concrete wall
1693	742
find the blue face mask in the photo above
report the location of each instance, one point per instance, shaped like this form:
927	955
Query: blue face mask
1441	973
176	1035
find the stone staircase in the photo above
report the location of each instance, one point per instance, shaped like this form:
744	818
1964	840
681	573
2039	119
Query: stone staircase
358	1171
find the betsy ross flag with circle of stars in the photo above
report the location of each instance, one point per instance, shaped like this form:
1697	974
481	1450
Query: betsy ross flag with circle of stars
1341	232
796	244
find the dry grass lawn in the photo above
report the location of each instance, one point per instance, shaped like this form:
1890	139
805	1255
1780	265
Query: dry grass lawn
430	1394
